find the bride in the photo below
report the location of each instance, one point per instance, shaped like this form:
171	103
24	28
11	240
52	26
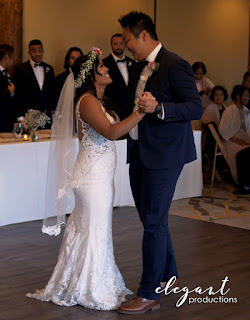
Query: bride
86	273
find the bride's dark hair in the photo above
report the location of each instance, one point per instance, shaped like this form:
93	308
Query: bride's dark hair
89	83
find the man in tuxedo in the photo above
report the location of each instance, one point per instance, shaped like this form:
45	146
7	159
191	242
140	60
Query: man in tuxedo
120	67
35	83
7	88
159	147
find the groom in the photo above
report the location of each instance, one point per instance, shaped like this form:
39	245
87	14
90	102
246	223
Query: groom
158	148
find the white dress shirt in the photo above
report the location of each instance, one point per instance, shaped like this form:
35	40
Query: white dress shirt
122	66
146	72
39	73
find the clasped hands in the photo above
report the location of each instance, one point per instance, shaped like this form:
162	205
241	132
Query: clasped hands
147	103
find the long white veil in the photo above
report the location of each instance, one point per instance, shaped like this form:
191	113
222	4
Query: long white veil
62	155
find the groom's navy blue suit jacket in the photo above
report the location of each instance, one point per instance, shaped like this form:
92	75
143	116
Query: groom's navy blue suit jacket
166	143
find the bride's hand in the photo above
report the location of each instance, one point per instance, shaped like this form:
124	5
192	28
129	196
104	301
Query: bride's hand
148	95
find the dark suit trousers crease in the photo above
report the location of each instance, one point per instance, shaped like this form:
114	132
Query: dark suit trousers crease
153	191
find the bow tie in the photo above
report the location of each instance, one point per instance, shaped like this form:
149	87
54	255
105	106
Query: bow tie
41	64
123	60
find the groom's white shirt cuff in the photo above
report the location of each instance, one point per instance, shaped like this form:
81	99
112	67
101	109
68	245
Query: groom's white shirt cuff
161	115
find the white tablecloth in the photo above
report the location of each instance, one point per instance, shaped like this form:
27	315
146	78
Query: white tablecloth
23	169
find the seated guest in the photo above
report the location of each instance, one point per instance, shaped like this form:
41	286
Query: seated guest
35	83
213	111
120	67
212	114
7	88
72	54
246	84
204	87
234	128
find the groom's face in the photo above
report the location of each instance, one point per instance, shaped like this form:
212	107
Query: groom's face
135	45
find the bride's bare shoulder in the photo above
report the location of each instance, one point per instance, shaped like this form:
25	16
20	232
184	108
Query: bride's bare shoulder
88	100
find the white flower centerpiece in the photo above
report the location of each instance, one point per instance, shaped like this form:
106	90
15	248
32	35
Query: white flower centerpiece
35	119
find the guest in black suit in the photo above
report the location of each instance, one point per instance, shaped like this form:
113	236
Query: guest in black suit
72	54
7	88
163	86
120	68
246	84
35	83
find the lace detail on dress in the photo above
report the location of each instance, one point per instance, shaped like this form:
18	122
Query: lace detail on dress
52	230
86	272
92	148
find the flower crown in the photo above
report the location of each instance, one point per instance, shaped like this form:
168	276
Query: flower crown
87	66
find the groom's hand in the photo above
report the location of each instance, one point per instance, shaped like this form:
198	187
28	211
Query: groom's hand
147	102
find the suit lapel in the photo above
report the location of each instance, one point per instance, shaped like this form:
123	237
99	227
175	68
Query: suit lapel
4	76
154	73
32	74
45	75
130	69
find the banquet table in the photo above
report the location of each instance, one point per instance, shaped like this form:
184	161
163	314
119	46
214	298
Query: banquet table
23	170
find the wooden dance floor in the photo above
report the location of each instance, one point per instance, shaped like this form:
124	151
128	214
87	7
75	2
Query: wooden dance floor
206	253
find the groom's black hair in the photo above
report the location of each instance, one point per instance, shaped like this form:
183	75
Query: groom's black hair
136	22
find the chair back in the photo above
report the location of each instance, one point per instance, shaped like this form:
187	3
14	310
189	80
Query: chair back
218	142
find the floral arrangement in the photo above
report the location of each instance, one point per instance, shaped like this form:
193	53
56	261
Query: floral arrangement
87	66
153	66
35	119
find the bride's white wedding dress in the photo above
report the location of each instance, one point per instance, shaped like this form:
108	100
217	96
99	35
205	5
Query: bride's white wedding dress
86	273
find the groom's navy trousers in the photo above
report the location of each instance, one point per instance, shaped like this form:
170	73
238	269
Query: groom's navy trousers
157	158
153	192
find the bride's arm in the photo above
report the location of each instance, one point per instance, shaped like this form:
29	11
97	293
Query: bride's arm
125	136
92	113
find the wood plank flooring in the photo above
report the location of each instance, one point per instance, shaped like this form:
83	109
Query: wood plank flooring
206	253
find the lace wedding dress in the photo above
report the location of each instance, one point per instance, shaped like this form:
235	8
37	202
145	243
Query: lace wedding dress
86	272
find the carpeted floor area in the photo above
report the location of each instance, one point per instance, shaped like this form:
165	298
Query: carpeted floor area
218	204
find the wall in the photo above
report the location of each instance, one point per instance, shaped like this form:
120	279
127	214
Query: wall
61	24
11	25
215	32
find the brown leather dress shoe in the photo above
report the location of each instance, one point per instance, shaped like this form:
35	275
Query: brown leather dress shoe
139	305
176	284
